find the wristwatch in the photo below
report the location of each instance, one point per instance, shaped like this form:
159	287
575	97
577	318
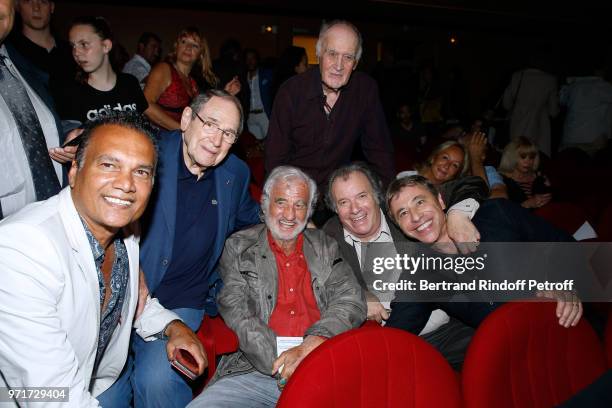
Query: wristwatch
162	334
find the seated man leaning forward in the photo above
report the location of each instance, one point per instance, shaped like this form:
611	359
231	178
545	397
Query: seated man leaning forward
418	209
69	281
317	297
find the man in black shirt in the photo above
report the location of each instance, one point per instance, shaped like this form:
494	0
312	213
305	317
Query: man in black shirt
418	210
47	56
320	115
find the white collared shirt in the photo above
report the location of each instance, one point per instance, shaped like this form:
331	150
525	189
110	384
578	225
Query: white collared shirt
138	67
256	103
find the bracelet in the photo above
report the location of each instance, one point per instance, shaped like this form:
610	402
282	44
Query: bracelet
162	334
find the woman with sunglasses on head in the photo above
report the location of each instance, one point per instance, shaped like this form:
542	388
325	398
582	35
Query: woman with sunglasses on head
172	84
98	88
519	167
448	161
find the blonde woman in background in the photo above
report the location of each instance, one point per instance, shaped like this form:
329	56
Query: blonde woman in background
519	167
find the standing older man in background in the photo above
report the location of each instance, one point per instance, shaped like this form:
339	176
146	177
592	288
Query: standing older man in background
320	115
280	280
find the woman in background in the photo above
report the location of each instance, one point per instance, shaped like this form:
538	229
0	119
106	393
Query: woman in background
519	167
171	85
99	88
446	162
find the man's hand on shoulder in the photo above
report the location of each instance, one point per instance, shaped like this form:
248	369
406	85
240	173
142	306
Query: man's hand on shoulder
182	337
462	231
291	358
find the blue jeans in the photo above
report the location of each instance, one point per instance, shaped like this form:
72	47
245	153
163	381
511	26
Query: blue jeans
249	390
153	380
119	395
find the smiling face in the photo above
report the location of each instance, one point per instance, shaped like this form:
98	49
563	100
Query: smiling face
338	57
447	164
111	188
419	214
202	149
356	206
89	50
287	210
35	14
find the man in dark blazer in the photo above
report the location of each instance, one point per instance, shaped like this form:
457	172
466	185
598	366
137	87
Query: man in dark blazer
201	197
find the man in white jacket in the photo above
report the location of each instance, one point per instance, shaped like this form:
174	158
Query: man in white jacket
69	275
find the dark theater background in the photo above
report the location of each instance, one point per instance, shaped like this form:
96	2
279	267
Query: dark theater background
485	41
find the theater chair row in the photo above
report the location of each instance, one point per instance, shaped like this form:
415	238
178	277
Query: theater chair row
518	357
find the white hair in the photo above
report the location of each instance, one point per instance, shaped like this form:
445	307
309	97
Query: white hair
325	27
287	173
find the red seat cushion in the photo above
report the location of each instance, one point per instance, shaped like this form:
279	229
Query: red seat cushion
521	357
217	339
370	367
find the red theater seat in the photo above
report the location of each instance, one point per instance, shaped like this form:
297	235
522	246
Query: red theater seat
217	339
566	216
521	357
373	367
255	192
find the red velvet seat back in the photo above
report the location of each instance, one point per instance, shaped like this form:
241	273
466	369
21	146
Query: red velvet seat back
521	357
373	367
566	216
217	339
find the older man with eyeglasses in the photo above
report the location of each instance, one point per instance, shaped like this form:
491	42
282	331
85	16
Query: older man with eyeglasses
202	197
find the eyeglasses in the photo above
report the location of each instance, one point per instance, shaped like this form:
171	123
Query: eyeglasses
229	136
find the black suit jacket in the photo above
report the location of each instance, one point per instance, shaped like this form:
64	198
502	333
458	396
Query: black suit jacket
36	80
497	220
